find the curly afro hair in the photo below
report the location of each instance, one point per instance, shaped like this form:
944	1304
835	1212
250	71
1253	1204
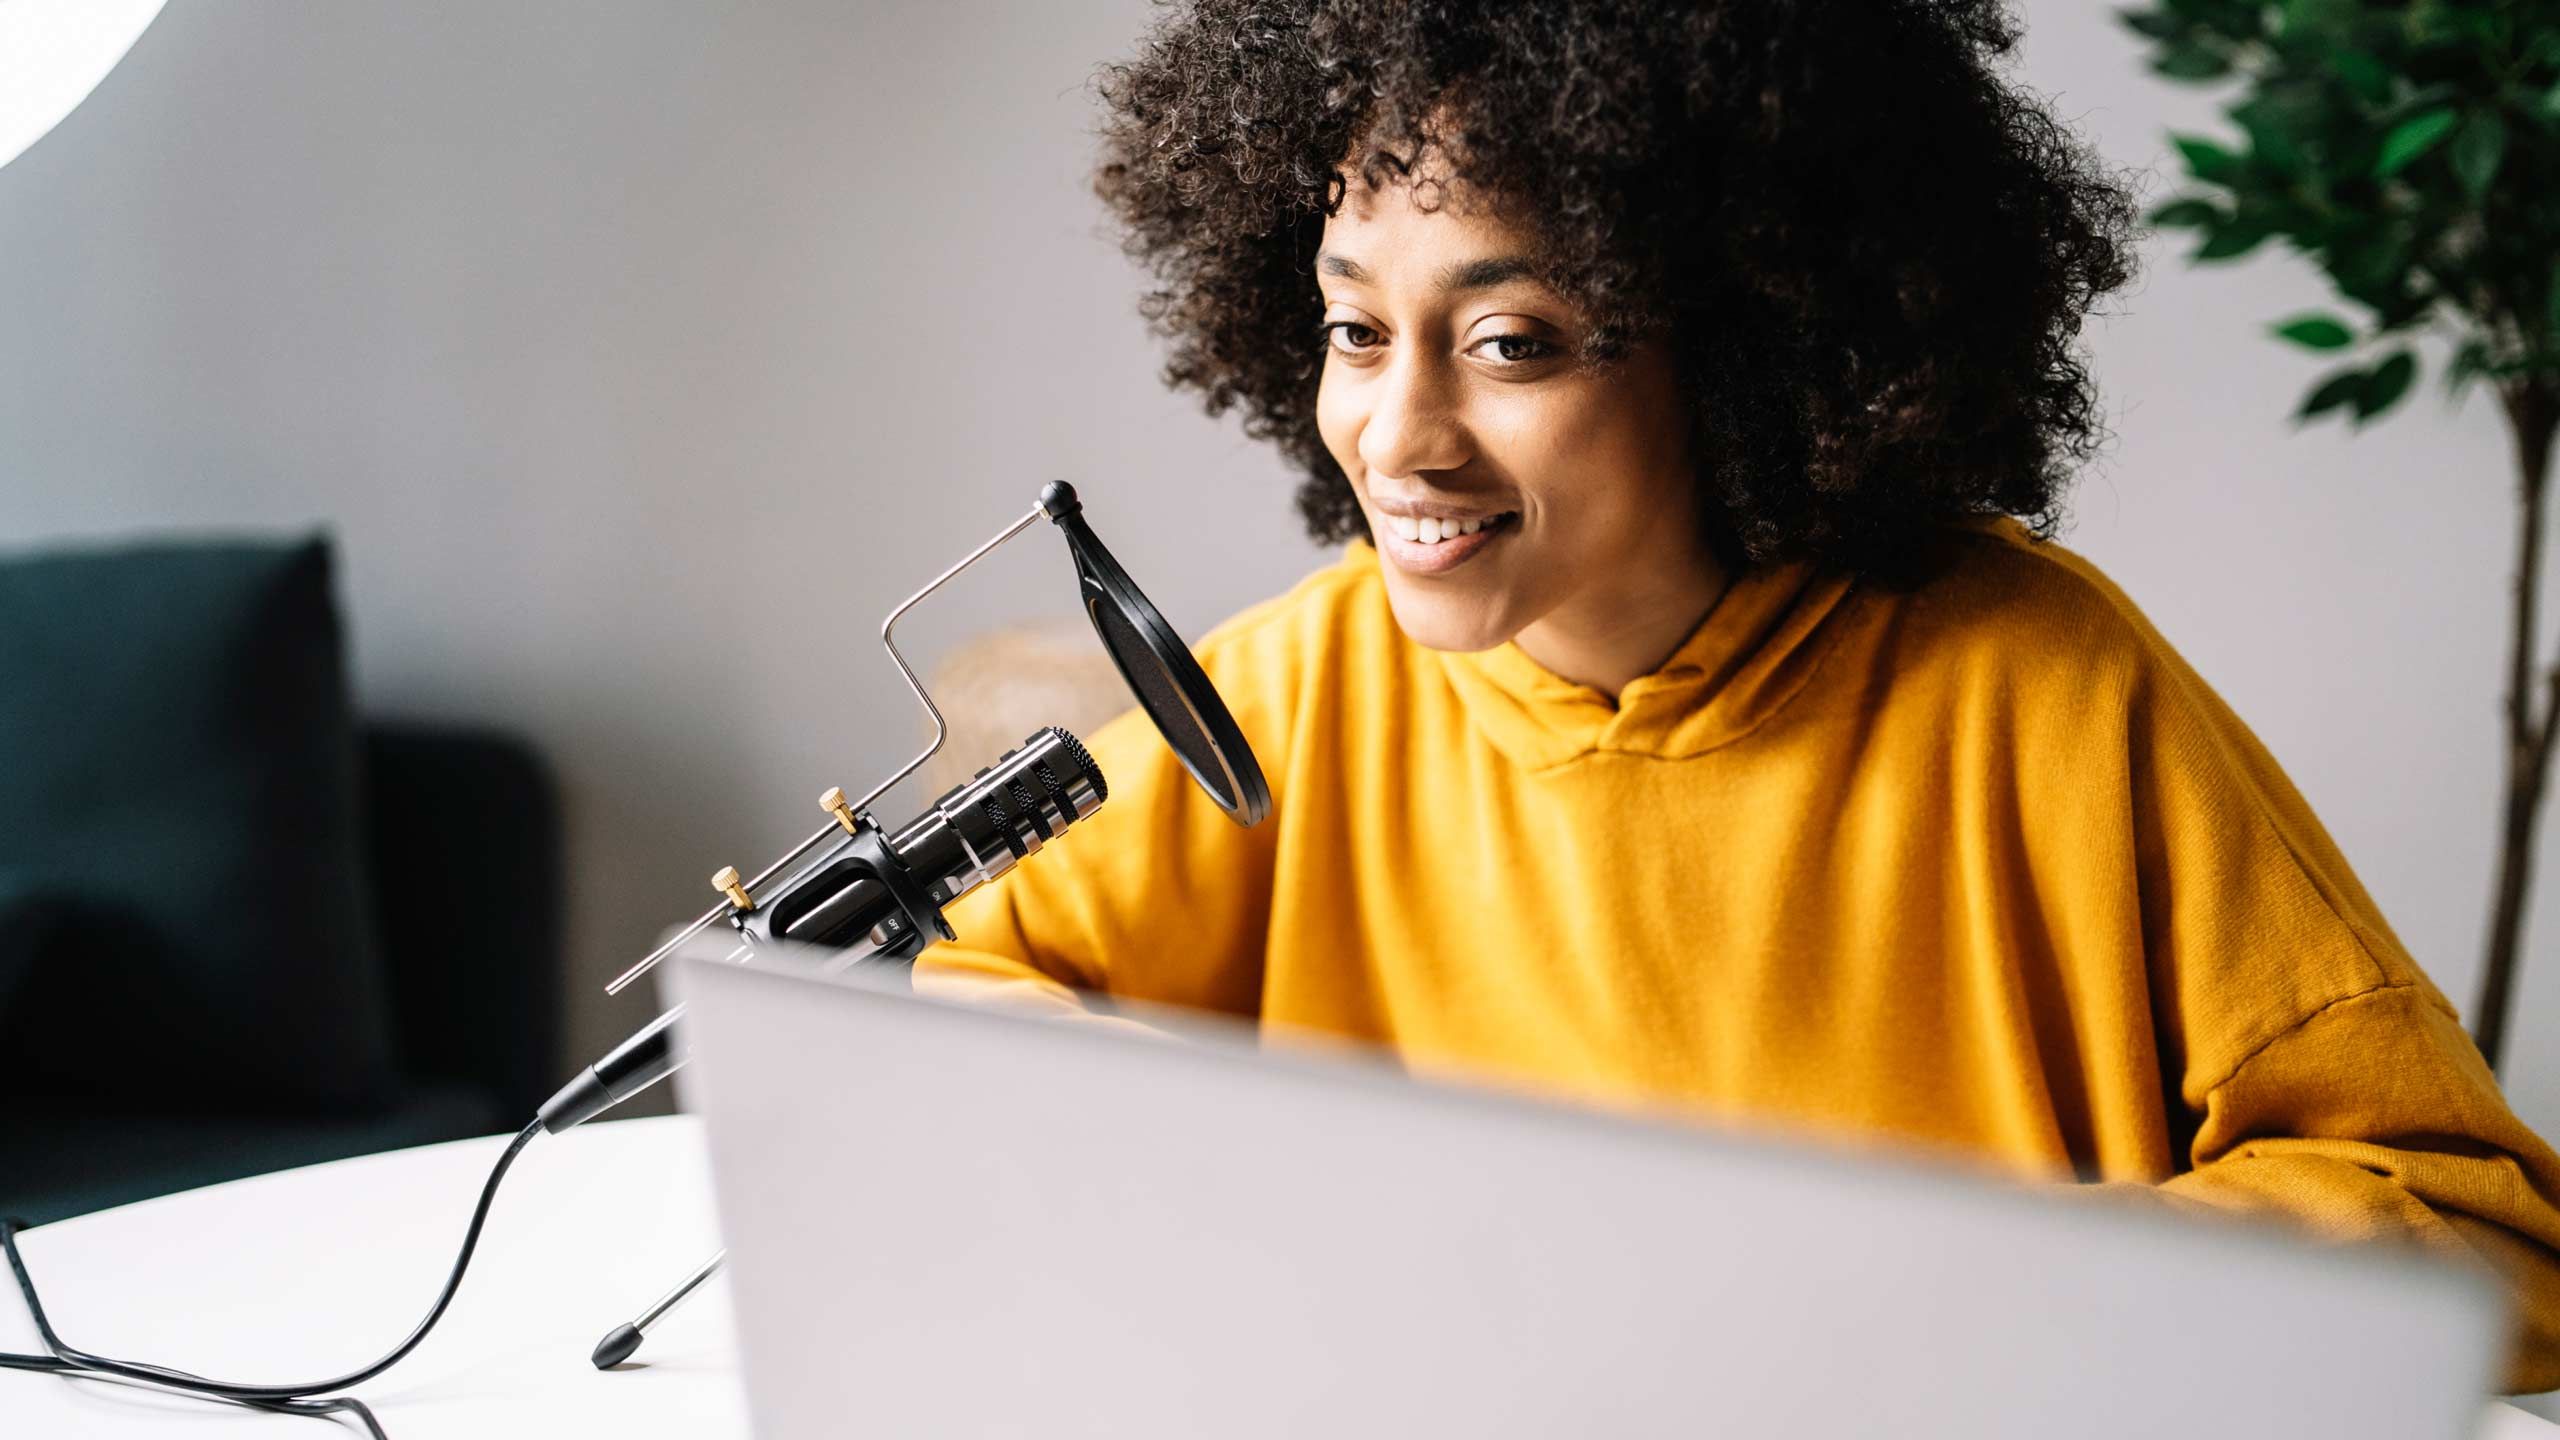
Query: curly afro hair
1869	255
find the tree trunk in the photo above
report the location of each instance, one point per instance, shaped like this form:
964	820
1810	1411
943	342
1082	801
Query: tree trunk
2533	411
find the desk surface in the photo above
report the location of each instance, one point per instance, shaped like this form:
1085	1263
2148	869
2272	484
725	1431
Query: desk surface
316	1271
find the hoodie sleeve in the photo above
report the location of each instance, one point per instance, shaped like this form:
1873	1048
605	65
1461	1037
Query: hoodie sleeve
1157	895
2325	1079
2375	1119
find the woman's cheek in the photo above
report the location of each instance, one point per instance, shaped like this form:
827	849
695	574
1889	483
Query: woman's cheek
1336	423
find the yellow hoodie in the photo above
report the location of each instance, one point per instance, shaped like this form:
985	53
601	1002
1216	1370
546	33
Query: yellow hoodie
1981	868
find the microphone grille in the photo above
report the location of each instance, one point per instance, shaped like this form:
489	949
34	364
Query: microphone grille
1082	759
1028	797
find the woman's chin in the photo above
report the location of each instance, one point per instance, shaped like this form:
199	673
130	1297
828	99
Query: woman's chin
1445	622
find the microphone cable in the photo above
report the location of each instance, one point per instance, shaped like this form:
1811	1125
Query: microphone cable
309	1398
876	898
647	1057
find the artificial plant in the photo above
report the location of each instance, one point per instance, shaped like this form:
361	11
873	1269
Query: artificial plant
2412	152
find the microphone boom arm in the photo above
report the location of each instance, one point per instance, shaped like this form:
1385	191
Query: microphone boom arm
844	830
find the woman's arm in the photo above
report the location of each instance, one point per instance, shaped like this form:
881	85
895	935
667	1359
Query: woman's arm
2375	1118
2328	1080
1156	895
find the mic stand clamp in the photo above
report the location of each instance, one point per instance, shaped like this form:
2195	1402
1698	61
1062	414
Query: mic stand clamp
862	892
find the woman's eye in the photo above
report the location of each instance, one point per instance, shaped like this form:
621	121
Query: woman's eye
1349	336
1515	349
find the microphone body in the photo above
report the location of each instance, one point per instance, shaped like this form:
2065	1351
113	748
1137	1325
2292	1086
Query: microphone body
976	831
879	897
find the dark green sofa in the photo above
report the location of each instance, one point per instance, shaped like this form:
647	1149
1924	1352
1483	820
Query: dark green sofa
240	929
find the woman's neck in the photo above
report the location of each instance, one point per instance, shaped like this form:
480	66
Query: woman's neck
1608	635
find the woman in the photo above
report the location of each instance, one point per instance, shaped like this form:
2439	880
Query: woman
1698	714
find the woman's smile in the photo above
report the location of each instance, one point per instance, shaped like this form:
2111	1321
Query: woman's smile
1433	539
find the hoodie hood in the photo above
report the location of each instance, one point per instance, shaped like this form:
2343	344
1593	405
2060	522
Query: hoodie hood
1755	647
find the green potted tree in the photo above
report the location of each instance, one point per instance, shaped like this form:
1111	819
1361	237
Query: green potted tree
2412	151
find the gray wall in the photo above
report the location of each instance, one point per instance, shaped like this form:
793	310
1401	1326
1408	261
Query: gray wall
641	354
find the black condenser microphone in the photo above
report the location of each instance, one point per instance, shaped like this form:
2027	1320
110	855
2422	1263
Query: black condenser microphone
881	894
977	831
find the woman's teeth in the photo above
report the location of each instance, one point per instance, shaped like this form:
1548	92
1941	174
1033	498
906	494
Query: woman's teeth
1432	532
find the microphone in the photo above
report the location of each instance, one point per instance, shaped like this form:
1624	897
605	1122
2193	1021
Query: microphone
977	831
879	897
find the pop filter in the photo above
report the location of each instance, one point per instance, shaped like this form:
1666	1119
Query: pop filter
1168	682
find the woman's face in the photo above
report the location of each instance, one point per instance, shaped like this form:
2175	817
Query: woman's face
1510	492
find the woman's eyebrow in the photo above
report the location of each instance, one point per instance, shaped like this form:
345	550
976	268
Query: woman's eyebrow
1485	274
1464	275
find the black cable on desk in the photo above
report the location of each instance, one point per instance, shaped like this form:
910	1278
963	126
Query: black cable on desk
310	1398
45	1364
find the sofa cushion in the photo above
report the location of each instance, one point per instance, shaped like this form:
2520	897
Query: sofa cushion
181	783
29	919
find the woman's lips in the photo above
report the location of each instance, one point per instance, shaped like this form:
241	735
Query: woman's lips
1441	556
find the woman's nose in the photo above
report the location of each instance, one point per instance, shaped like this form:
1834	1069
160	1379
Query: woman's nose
1413	424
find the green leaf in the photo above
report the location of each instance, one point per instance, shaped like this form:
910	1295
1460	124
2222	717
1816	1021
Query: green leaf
2477	151
2435	94
2400	313
2551	102
2154	24
2191	62
2367	76
2434	22
2332	392
2372	262
2230	241
2385	385
2412	138
2231	19
2207	160
2470	360
2315	15
2189	214
2265	121
2316	331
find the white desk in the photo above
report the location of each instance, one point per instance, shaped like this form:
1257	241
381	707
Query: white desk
316	1271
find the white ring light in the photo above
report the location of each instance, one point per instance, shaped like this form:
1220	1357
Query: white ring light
53	53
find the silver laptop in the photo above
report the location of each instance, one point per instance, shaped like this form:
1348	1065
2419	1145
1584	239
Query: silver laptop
948	1220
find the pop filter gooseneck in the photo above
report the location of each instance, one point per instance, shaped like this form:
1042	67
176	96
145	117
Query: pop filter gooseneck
1159	668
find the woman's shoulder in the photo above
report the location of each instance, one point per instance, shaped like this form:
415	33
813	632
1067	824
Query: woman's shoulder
2001	600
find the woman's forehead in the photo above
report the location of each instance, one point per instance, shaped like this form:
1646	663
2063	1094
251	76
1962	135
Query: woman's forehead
1408	216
